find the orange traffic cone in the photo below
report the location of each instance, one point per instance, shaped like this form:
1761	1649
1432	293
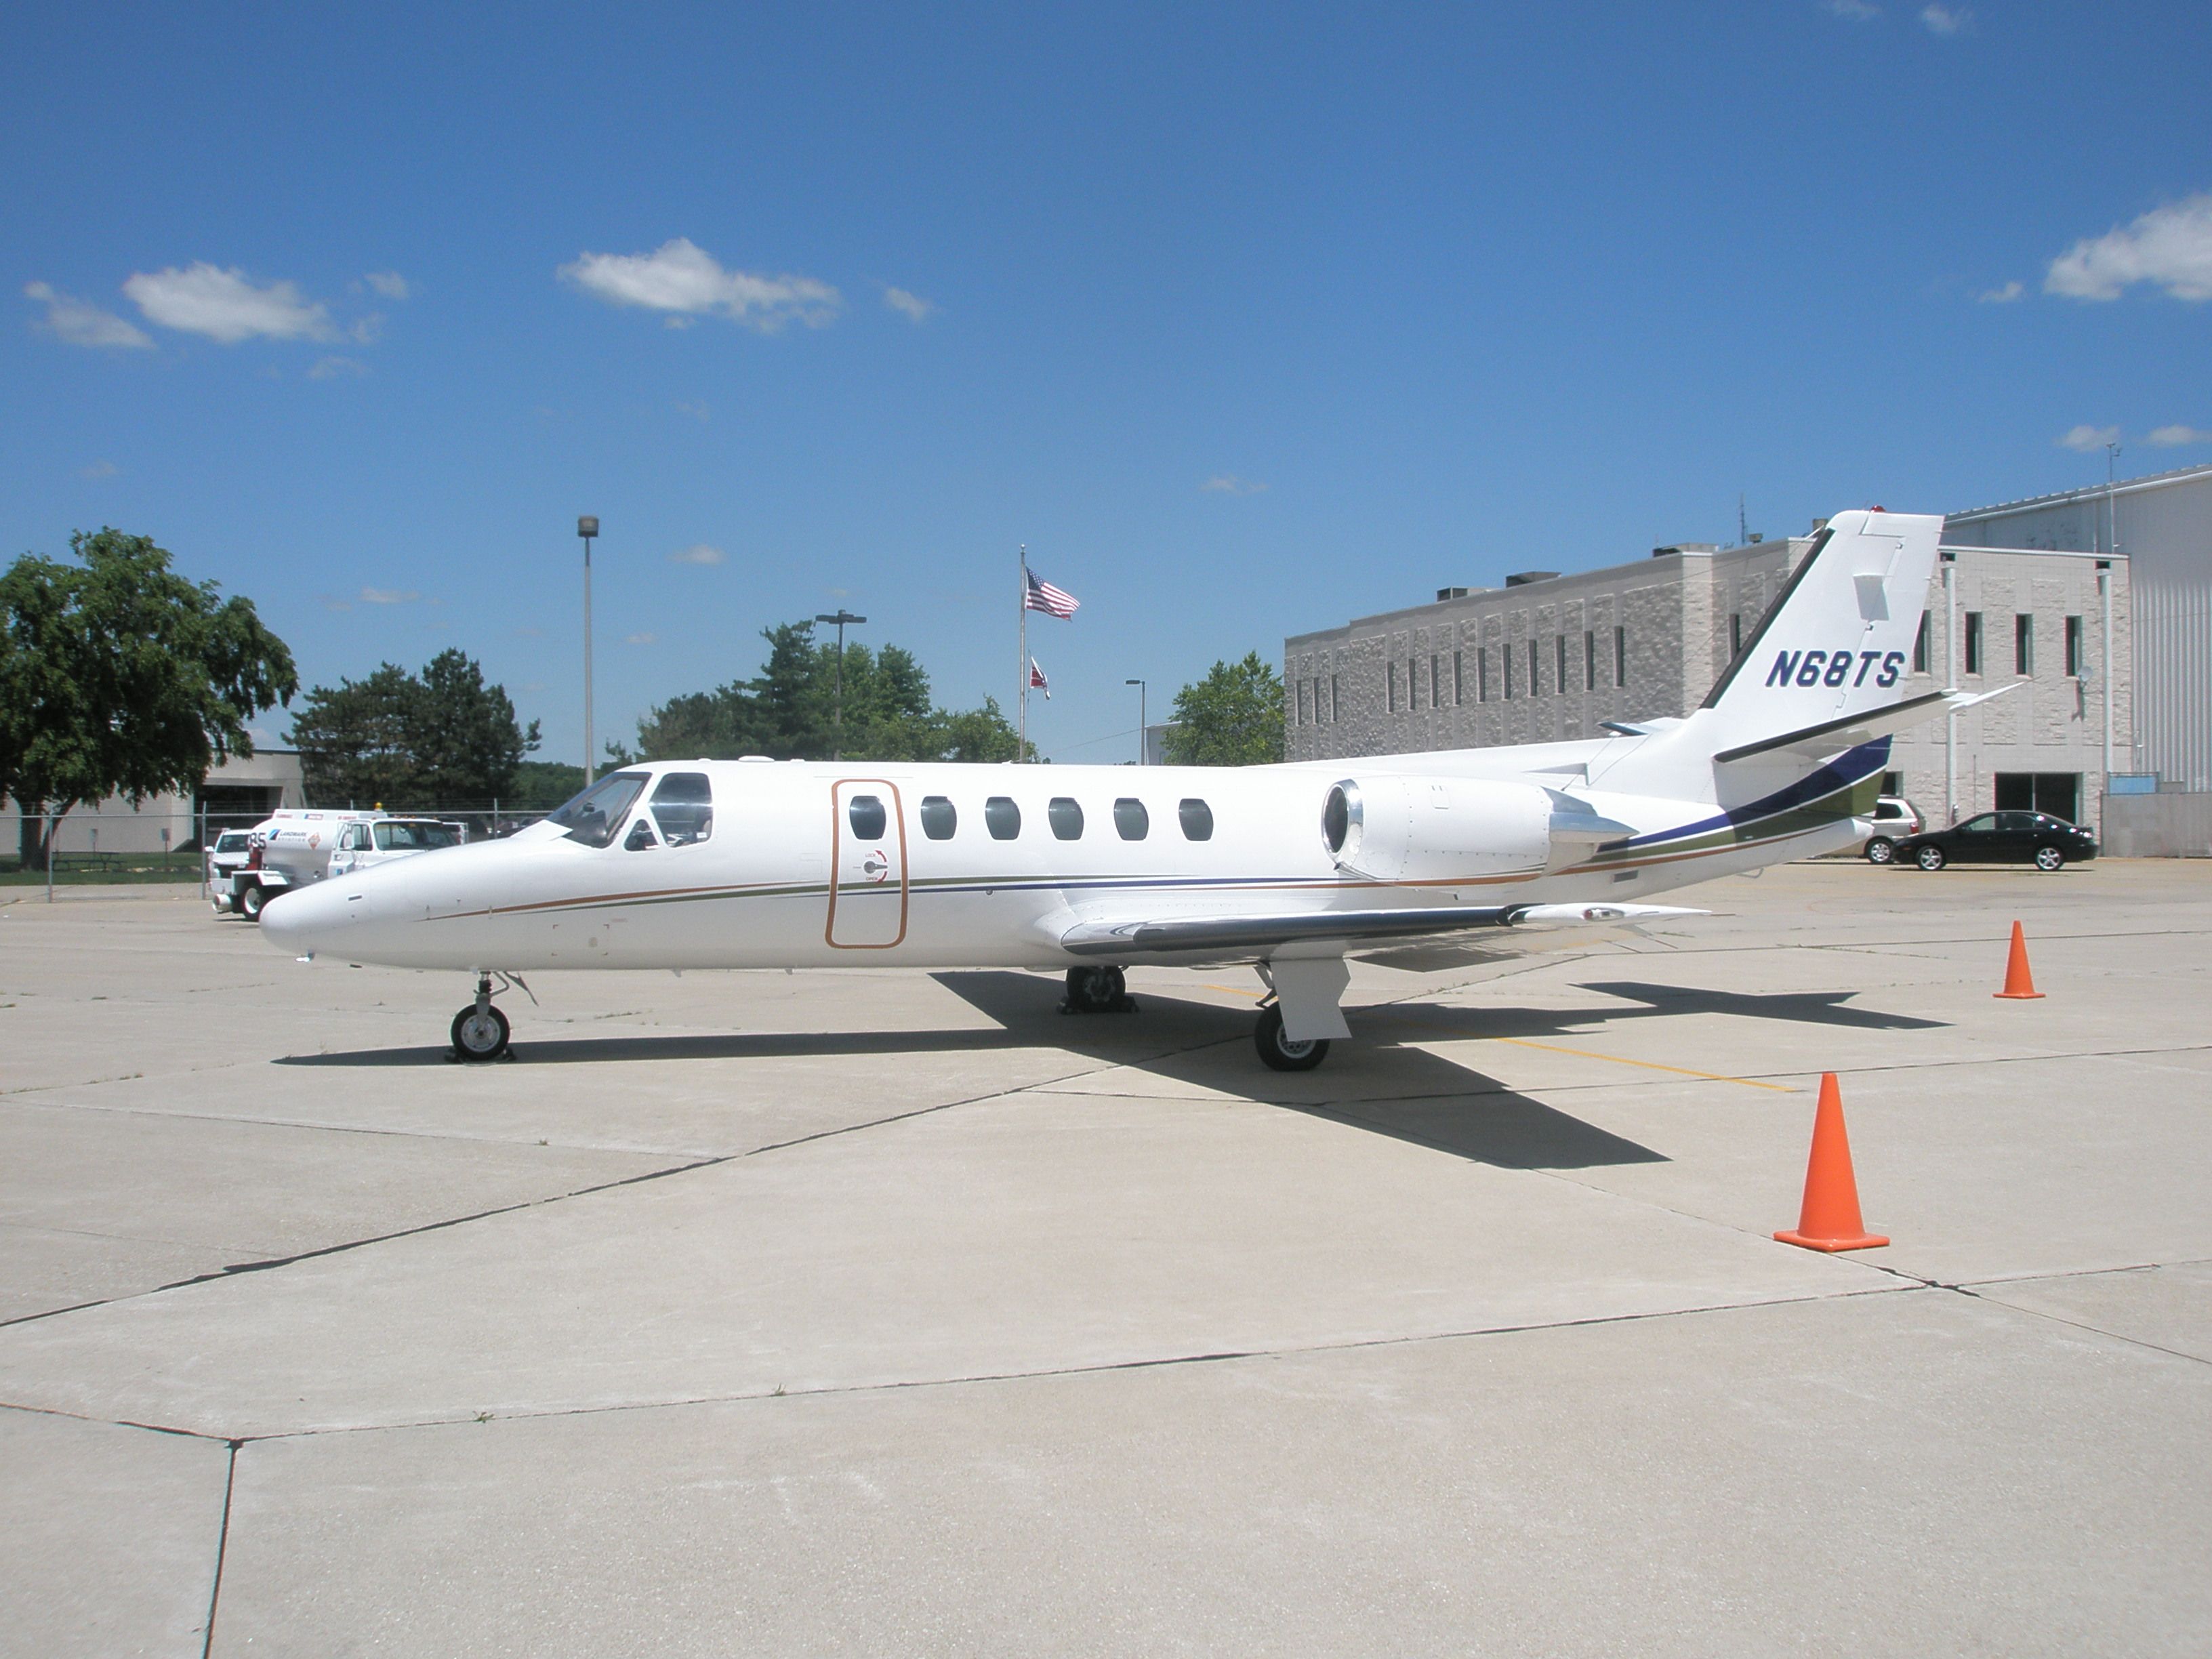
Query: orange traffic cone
1830	1218
2020	984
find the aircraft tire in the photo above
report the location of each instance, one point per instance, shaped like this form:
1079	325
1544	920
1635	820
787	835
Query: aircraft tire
479	1038
1095	991
1278	1053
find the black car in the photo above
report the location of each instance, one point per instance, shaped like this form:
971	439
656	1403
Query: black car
2036	838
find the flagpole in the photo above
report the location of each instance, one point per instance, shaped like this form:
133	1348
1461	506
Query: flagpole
1021	634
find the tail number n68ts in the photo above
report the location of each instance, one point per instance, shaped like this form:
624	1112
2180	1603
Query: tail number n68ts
1834	668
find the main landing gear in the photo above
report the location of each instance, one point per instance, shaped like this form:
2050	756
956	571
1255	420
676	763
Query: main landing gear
1277	1052
480	1031
1097	991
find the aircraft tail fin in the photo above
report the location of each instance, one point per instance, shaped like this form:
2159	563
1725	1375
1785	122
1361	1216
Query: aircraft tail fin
1836	645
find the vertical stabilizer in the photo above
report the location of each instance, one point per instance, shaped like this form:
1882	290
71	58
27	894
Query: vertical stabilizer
1837	642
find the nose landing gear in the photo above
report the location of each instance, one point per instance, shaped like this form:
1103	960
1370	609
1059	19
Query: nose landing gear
480	1031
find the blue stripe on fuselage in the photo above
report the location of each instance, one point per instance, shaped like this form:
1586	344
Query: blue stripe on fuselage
1853	766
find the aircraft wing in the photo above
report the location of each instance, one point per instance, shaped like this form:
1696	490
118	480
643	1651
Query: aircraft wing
1833	736
1258	936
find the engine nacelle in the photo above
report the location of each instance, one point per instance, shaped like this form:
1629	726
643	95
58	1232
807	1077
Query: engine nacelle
1438	830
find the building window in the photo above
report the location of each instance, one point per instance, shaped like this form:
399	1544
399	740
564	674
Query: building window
1892	783
1302	702
1919	652
1505	667
1974	642
1394	685
1459	677
1590	659
1535	682
1559	657
1482	673
1437	680
2023	644
1735	634
1332	704
1620	656
2074	647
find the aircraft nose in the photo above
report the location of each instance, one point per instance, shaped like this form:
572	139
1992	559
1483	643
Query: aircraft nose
306	920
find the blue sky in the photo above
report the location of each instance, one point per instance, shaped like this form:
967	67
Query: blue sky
1246	319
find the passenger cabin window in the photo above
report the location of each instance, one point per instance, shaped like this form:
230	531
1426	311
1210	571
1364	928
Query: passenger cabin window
866	817
1197	820
684	808
1002	818
594	816
1131	821
1065	819
938	818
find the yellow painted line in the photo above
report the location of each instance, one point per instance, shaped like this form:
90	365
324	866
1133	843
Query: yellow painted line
1236	991
1648	1065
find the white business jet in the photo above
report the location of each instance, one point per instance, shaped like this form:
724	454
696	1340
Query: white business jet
767	864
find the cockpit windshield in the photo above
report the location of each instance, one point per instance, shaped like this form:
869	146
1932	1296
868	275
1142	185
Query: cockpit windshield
594	816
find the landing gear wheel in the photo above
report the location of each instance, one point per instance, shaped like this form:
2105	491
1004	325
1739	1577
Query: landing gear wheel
1097	991
250	904
479	1033
2050	857
1880	850
1930	858
1278	1051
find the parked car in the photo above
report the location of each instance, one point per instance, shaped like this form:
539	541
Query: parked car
2037	838
1894	819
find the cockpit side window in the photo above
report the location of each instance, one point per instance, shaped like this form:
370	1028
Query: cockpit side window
594	816
684	808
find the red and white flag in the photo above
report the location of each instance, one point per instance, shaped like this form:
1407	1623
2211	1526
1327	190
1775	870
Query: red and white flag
1043	596
1037	681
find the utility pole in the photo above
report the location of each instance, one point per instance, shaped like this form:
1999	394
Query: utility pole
1950	566
1142	691
837	705
587	527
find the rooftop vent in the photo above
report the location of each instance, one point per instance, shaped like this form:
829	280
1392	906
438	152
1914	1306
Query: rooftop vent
1451	592
1685	547
1522	578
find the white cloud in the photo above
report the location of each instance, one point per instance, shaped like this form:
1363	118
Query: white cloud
2088	438
108	468
331	601
640	639
225	307
80	324
697	553
1228	484
2170	245
1945	20
329	368
2002	296
390	283
1854	11
685	280
2172	437
697	412
911	305
388	596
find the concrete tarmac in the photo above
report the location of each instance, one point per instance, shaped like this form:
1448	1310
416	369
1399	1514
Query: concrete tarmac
896	1312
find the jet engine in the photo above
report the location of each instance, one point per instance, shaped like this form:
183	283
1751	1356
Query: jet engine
1437	831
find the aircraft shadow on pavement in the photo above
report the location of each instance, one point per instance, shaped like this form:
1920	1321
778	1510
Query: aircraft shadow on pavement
1812	1007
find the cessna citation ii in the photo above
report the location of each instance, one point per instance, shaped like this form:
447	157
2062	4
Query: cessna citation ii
1289	868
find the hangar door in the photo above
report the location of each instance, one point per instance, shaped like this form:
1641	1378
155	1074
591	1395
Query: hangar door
867	865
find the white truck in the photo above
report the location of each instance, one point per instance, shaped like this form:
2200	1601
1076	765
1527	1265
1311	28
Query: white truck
297	846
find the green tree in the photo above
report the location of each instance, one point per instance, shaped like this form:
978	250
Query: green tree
119	677
787	711
541	785
444	739
1233	717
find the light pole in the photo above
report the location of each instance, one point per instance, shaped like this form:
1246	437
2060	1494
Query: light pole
837	707
1142	690
587	527
2111	515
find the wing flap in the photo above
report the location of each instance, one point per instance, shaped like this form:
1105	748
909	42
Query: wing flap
1194	935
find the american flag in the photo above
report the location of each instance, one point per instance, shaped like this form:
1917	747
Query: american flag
1037	681
1043	596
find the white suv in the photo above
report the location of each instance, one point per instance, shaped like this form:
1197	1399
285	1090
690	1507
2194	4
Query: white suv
1894	819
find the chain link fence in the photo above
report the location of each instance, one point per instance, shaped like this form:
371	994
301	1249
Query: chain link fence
155	844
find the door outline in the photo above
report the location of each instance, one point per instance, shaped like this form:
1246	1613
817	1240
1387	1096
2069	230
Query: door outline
837	805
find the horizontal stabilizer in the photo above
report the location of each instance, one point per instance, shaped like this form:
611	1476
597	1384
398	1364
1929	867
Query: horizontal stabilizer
1834	736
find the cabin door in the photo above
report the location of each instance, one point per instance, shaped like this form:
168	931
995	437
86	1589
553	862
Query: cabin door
867	865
